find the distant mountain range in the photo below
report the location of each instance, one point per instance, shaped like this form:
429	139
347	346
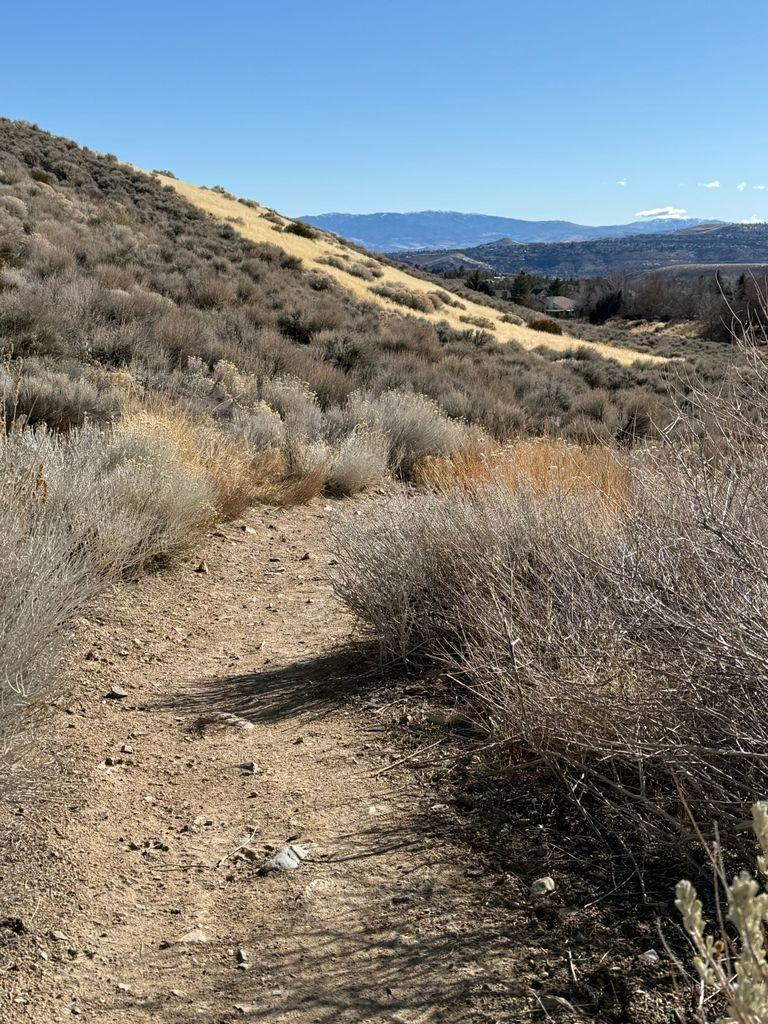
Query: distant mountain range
435	229
707	246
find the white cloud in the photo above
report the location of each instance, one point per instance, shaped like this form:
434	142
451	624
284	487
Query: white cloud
741	186
622	182
710	184
663	213
754	219
759	188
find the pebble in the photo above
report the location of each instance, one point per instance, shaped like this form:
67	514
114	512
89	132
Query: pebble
116	693
543	886
558	1004
650	956
195	935
202	567
287	858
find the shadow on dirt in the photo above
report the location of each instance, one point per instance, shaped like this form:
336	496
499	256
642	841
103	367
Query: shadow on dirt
482	950
309	688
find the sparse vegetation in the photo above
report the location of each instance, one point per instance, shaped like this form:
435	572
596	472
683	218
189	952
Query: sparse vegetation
601	613
199	372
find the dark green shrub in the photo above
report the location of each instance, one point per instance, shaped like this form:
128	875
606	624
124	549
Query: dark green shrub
297	227
44	176
546	325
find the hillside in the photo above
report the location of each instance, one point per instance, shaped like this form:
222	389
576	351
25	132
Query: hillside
172	355
337	612
435	229
706	244
372	281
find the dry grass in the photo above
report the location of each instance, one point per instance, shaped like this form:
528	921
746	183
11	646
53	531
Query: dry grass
239	477
258	227
540	465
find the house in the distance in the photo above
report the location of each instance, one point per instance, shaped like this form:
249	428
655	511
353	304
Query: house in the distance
559	305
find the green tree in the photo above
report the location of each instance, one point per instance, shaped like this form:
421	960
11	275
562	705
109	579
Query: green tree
479	283
520	289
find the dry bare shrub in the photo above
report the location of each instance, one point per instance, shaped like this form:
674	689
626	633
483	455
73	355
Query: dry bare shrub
358	462
617	631
412	424
33	394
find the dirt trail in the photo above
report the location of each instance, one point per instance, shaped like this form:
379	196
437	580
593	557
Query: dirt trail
385	922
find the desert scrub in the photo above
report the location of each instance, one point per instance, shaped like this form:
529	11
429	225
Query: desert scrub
298	227
447	299
358	462
405	297
483	322
33	394
411	424
546	325
360	270
78	511
606	619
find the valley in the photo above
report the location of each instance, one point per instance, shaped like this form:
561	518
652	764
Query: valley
710	245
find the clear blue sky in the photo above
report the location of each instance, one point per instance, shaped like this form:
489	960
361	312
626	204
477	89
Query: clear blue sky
535	110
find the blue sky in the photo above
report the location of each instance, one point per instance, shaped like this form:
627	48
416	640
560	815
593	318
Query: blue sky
534	110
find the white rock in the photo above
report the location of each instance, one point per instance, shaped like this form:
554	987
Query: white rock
543	886
288	857
195	935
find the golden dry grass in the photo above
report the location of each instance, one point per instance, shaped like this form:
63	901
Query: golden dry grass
540	464
239	477
262	225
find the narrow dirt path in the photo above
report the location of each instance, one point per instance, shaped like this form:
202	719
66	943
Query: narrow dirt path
149	909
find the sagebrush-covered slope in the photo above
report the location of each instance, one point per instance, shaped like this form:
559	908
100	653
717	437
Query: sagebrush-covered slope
261	225
105	267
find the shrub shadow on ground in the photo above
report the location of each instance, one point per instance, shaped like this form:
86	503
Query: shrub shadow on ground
504	829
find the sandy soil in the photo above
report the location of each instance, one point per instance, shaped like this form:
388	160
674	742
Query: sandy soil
146	905
137	895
